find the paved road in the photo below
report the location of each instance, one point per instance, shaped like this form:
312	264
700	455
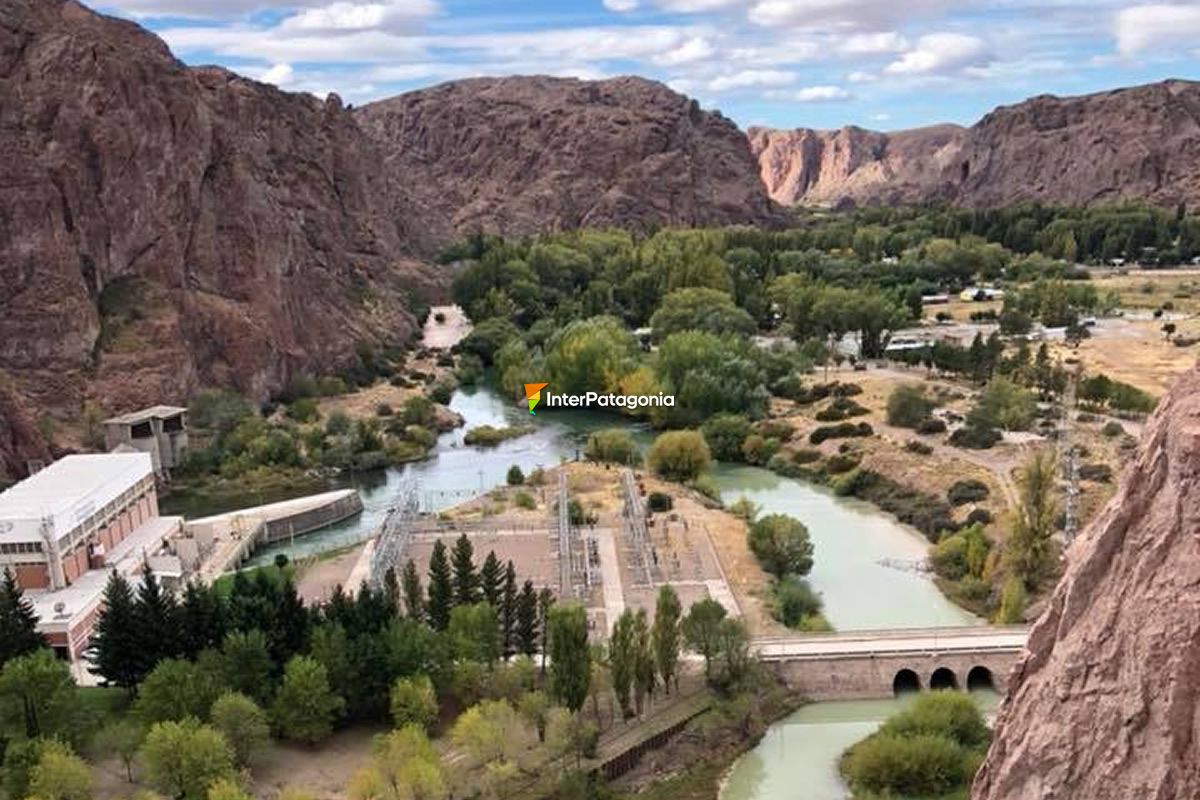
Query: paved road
946	640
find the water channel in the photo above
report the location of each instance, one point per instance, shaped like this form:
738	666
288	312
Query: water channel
864	568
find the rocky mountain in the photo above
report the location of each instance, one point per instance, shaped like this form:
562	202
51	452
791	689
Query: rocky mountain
1106	703
525	154
1140	143
164	228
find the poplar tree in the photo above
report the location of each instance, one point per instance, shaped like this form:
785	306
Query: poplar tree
665	635
622	660
570	655
643	662
526	633
18	621
114	652
414	593
441	588
508	610
491	580
466	579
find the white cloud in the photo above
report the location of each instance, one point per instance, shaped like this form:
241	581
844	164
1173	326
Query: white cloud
695	49
940	54
751	78
620	6
882	116
872	43
402	15
870	15
811	94
862	77
280	75
1156	26
696	6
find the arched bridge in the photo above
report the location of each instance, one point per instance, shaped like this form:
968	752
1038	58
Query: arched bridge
877	664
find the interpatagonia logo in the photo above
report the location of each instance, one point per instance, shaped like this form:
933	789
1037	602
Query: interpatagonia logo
533	393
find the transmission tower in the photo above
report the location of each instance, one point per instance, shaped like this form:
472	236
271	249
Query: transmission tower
1069	458
395	531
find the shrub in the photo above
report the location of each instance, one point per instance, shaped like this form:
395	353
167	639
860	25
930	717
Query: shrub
979	516
614	445
951	715
931	425
659	502
679	455
515	476
303	410
805	456
725	434
781	544
759	450
928	514
966	491
774	429
442	389
908	406
841	431
916	766
413	702
706	486
840	463
524	500
1100	473
841	408
489	436
384	410
975	437
920	448
795	604
1004	404
1112	428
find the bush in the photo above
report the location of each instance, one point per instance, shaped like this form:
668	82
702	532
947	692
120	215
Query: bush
979	516
928	514
1112	428
614	445
442	389
966	491
908	406
413	702
795	604
304	410
524	500
706	486
805	456
1100	473
839	409
679	455
950	715
917	766
975	437
931	425
842	431
659	502
920	448
384	410
782	545
489	436
759	450
774	429
515	476
725	434
1003	404
840	463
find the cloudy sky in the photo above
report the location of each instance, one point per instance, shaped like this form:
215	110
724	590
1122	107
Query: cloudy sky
820	63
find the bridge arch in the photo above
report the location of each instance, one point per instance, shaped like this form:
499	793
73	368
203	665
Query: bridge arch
943	678
980	677
906	681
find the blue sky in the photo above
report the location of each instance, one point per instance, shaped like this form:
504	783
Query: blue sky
886	64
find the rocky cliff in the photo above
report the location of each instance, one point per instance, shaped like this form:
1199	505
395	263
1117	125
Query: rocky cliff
164	228
526	154
1106	703
1141	143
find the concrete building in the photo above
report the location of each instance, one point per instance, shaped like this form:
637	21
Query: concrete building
160	431
65	528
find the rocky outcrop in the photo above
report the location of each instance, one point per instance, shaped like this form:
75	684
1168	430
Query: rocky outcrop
1105	705
519	155
1141	143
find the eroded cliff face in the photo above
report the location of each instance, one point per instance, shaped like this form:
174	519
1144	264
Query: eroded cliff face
1106	703
1140	143
519	155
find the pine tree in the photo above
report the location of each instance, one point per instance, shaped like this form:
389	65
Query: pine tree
391	589
526	632
665	634
18	621
441	588
508	610
201	619
115	642
157	617
466	580
491	580
414	593
290	635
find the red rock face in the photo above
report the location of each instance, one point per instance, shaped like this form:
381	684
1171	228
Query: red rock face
1141	143
1106	703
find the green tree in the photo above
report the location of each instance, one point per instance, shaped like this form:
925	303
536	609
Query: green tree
725	433
1012	602
509	611
441	588
1029	548
183	759
643	665
622	659
908	406
709	374
475	633
782	545
227	789
1005	405
491	579
305	706
590	355
404	766
701	631
492	736
414	593
18	621
413	702
201	619
38	697
679	455
175	690
570	656
797	605
246	664
535	707
466	579
60	775
115	640
515	476
665	635
157	616
613	445
526	632
122	738
243	724
700	309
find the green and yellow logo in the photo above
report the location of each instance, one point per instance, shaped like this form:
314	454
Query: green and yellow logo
533	393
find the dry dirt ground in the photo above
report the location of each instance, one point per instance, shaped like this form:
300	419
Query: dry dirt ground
317	577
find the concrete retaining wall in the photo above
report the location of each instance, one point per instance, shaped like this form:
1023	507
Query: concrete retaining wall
874	676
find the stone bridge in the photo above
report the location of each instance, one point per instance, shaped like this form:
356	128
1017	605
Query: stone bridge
877	664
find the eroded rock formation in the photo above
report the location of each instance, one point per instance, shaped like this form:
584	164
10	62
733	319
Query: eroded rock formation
1106	703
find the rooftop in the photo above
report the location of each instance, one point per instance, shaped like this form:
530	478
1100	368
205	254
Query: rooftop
70	489
154	412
